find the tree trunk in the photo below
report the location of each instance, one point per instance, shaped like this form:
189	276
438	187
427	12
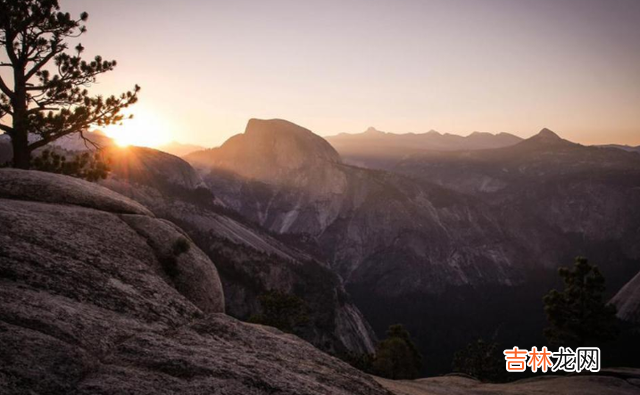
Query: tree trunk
20	138
20	134
21	153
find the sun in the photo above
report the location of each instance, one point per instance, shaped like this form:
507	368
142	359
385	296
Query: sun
144	130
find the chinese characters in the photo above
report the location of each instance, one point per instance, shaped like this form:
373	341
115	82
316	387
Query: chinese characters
565	359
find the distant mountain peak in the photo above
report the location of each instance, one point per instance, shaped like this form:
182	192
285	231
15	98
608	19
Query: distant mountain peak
548	134
270	151
372	130
547	138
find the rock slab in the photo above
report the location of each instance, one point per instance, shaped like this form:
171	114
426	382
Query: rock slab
87	307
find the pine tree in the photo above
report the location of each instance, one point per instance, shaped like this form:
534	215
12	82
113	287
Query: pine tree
578	316
397	357
481	360
88	166
49	98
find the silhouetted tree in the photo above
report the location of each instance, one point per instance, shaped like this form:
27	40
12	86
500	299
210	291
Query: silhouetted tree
281	310
481	360
360	361
91	166
578	316
49	98
397	357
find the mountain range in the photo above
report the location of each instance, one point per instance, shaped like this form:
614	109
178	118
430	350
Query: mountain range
374	148
289	180
623	147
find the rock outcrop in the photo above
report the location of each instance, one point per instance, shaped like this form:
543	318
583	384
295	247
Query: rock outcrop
269	150
89	306
287	157
627	300
53	188
147	166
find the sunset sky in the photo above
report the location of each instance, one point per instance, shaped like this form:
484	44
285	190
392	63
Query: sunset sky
456	66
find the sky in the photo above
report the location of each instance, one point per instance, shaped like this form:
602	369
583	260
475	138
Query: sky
206	67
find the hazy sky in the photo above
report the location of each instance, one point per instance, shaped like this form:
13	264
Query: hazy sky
457	66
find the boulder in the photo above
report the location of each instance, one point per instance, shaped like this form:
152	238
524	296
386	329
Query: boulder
55	188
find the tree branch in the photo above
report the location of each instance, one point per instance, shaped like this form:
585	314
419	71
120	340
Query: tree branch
87	140
5	89
40	64
8	46
6	128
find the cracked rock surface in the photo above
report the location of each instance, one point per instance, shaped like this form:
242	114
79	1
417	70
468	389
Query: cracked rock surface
88	307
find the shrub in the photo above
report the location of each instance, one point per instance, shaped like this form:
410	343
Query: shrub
180	246
281	310
170	262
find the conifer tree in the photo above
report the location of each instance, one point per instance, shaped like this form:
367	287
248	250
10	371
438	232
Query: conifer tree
88	166
43	85
481	360
578	315
397	357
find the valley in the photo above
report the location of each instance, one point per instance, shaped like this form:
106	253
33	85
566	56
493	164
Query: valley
440	227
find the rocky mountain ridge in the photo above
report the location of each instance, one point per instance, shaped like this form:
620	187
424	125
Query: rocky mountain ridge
627	301
431	140
544	155
628	148
376	149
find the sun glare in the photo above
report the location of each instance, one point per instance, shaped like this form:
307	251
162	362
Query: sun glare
144	130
